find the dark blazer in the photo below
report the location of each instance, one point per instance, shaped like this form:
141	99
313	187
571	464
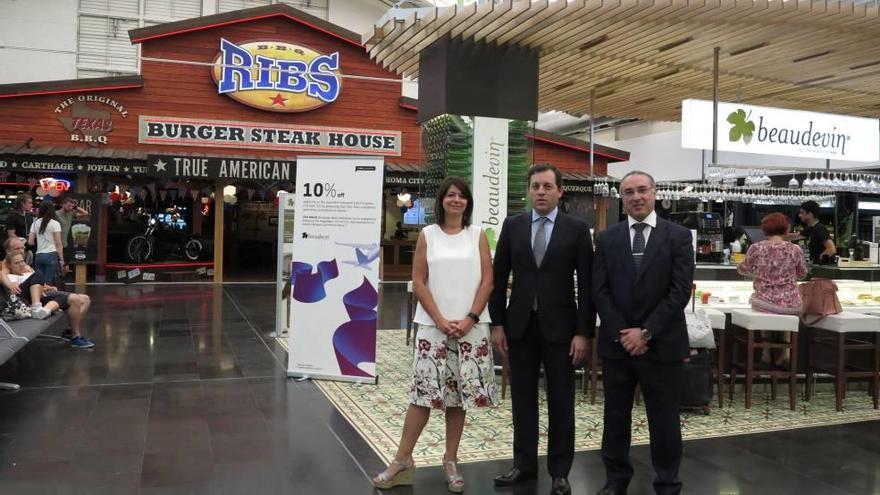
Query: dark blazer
654	298
570	250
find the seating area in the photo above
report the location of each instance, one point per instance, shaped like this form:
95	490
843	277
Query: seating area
14	335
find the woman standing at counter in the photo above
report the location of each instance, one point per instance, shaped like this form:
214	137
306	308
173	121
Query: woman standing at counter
776	266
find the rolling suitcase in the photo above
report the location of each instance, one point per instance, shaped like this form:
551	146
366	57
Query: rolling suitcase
697	393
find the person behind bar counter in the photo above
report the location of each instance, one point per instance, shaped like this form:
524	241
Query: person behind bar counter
822	249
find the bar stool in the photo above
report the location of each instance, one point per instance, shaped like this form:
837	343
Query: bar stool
752	322
841	326
719	322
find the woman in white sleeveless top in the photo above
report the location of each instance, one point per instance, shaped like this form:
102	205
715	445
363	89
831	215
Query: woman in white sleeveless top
453	368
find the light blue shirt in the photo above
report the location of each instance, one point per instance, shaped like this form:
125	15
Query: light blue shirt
548	228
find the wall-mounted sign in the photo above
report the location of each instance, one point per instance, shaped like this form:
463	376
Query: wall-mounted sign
219	168
88	119
777	131
12	163
175	131
51	184
277	76
570	187
404	179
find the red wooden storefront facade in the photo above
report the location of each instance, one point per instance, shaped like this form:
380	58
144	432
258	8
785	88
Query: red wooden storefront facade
41	134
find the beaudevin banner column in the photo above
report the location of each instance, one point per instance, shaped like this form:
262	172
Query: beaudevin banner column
491	143
335	269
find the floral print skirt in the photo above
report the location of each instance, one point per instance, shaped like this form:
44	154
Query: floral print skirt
453	372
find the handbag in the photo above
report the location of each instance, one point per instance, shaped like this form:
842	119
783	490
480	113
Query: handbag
13	308
819	298
699	328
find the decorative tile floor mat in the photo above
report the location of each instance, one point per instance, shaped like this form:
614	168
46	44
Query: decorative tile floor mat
377	413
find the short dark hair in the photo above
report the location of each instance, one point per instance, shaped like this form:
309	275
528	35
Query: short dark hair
462	185
543	167
20	199
639	172
69	199
775	224
811	207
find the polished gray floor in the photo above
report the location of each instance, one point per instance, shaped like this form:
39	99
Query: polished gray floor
185	393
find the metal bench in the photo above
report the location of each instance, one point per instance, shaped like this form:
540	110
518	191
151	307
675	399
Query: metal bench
17	333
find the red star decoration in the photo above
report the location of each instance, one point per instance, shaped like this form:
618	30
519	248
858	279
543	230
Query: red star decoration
278	99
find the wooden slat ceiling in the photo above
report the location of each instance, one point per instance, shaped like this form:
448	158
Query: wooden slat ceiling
643	57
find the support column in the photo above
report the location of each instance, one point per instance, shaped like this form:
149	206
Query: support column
715	96
592	119
218	232
81	272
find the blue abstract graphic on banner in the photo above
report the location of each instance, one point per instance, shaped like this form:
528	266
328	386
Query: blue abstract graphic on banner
355	340
308	287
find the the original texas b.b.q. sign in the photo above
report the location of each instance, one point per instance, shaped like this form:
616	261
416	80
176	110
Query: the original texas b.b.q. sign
277	76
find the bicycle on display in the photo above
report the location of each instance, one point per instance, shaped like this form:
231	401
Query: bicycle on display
159	239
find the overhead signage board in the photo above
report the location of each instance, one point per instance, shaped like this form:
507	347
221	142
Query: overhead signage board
277	76
174	131
210	168
777	131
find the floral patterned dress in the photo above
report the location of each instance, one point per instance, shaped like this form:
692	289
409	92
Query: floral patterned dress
452	372
776	267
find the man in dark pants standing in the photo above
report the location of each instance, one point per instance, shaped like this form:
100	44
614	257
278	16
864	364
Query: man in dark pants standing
543	324
642	276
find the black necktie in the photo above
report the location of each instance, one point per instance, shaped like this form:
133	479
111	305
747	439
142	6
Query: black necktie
638	247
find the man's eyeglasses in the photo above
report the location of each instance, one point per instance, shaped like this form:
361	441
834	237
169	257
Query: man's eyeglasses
640	191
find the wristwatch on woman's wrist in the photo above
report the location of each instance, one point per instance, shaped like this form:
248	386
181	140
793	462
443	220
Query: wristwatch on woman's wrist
474	317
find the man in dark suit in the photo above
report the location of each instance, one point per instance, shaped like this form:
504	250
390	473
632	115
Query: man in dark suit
543	323
642	276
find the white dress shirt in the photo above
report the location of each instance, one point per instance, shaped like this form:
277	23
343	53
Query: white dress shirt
650	220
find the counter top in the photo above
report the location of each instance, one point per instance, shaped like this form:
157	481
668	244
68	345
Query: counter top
728	308
714	266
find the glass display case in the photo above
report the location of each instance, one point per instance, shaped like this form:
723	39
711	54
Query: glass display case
728	295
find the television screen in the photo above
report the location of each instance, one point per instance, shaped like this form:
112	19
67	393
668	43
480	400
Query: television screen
415	215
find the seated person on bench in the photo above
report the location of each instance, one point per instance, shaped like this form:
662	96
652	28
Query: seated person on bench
21	279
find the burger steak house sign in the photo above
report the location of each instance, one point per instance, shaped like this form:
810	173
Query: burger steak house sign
268	136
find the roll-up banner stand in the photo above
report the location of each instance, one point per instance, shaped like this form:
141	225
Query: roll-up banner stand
335	268
286	204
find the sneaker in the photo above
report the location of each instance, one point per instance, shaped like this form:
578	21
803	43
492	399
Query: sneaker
81	342
67	335
40	313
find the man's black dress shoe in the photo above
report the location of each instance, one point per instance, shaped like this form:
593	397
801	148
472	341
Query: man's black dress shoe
608	491
514	477
560	487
